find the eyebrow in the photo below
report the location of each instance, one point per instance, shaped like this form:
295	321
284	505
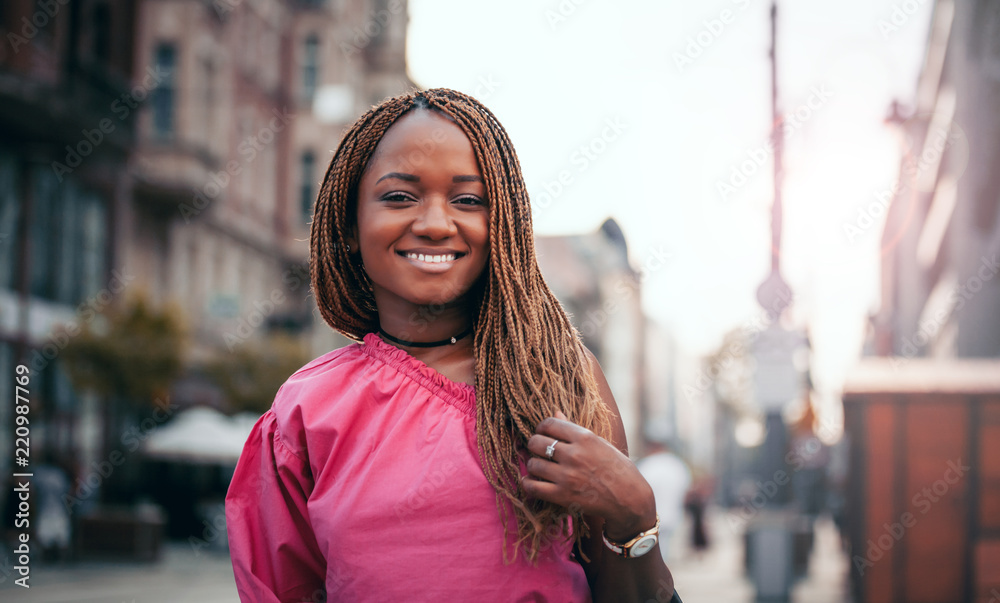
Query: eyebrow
413	178
399	175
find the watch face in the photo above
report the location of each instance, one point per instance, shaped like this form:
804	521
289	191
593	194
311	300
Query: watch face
643	546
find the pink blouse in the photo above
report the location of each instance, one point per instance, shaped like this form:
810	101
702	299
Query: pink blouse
363	483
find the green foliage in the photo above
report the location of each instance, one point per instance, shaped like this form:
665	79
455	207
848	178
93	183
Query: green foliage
251	374
133	352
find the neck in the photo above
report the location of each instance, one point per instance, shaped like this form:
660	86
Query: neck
424	324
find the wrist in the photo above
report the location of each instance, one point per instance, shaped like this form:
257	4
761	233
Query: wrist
624	529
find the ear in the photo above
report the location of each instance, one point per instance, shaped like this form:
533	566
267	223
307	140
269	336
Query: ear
352	241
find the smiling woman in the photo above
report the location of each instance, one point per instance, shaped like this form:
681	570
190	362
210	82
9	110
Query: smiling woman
498	460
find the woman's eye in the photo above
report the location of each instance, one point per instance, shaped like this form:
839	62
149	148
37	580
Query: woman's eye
469	200
397	197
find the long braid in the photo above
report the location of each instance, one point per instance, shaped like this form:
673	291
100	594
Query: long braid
530	360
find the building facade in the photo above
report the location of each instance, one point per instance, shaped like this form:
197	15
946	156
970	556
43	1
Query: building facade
941	244
67	124
591	276
171	149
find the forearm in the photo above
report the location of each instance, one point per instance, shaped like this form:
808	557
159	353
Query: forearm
641	579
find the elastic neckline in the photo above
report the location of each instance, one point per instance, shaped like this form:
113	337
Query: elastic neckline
460	395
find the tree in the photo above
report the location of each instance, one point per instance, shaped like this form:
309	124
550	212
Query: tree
251	374
129	355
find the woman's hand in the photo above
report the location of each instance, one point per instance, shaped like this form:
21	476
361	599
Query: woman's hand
587	473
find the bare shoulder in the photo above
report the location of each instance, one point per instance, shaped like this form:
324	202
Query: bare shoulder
604	389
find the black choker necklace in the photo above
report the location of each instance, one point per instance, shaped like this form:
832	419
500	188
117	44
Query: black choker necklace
420	344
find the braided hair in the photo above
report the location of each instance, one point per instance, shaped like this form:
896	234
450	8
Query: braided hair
529	359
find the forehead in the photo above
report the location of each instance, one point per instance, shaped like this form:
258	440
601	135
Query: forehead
422	135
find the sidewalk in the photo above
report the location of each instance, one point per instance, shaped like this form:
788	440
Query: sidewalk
719	575
180	575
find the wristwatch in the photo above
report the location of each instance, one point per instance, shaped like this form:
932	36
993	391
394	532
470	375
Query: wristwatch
638	546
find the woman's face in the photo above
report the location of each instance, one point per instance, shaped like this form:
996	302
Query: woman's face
423	219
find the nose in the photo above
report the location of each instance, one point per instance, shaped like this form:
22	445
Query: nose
434	221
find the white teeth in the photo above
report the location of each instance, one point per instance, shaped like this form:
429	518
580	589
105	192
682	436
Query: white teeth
431	259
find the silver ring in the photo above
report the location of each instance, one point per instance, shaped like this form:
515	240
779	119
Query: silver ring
551	449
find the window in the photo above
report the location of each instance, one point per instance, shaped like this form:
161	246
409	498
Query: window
310	68
165	61
307	190
68	234
10	216
44	233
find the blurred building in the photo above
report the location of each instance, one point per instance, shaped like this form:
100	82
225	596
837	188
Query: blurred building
66	133
941	244
922	529
593	279
172	148
234	143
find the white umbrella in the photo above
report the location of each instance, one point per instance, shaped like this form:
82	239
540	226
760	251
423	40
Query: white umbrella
201	435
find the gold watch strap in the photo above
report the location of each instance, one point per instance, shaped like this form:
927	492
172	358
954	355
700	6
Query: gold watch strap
623	549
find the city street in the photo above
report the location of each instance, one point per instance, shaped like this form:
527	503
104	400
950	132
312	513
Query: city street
718	575
179	576
207	578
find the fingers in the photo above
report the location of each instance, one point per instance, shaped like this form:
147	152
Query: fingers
561	428
539	444
543	490
544	470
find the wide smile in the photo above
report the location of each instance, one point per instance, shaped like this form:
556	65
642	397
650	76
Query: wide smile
432	262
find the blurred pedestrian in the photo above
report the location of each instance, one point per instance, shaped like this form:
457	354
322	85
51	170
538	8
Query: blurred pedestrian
453	452
53	528
670	478
695	502
808	457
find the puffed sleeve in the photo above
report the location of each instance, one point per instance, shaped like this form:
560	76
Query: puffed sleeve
274	552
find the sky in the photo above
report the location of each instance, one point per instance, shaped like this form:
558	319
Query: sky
658	114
